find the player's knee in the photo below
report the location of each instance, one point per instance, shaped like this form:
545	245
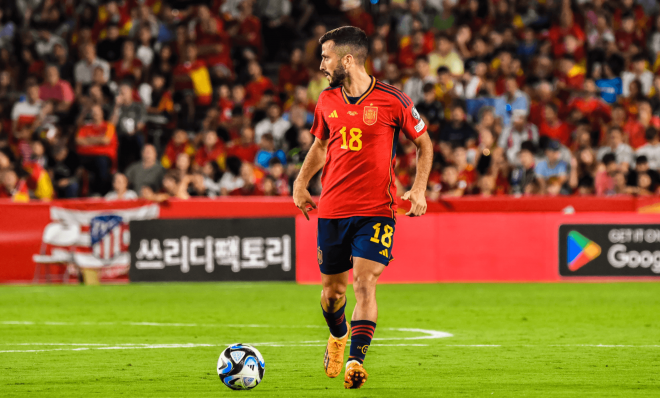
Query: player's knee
334	293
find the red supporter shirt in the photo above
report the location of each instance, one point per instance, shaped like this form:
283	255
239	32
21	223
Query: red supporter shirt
104	129
358	176
559	132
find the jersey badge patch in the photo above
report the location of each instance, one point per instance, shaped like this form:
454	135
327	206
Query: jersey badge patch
370	115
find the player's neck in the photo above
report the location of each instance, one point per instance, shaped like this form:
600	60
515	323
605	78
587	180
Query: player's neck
357	83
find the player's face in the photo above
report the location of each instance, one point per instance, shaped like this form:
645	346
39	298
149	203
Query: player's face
331	64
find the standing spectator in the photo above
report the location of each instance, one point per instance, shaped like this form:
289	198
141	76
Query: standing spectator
121	191
191	77
551	167
129	117
97	149
514	136
146	172
274	125
414	86
84	69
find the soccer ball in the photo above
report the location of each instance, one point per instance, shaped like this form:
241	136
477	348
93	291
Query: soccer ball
241	367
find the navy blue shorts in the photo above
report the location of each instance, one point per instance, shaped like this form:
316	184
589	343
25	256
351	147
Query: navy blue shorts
341	239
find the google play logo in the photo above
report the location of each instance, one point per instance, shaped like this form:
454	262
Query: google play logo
581	250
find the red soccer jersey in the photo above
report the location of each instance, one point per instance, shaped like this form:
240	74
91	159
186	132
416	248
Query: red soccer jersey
358	176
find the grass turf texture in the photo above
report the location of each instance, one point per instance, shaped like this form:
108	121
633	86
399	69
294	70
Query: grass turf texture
541	330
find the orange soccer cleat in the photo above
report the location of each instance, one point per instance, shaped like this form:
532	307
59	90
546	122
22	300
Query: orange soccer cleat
334	355
355	375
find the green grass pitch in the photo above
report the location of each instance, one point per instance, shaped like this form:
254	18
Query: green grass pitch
163	340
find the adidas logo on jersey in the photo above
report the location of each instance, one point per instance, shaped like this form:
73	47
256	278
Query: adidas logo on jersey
384	253
333	114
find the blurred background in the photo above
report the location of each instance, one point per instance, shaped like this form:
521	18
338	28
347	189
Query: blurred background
178	99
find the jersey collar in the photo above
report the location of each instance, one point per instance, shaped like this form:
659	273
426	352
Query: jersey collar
363	96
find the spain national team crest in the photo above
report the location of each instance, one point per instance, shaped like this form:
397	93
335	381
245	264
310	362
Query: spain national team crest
370	115
320	256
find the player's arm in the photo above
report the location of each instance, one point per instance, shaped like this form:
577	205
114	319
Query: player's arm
417	194
314	161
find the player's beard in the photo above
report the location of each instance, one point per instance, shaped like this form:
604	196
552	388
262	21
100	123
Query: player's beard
338	76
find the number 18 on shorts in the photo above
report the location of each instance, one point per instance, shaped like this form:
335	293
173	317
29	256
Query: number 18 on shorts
339	239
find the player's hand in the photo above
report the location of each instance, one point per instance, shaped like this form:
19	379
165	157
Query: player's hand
417	203
302	199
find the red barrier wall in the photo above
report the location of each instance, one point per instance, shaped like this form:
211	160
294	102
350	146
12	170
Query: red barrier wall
466	239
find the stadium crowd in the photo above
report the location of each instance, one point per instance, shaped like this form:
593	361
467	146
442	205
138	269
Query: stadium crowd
158	99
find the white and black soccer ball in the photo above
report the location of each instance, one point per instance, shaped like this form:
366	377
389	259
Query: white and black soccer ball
241	367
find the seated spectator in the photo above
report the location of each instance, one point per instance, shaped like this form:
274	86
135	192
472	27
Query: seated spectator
147	172
623	153
414	86
431	108
651	150
445	55
231	179
298	122
515	98
293	74
258	84
640	73
84	69
270	186
583	172
30	113
458	130
97	150
276	172
553	127
192	185
244	148
611	85
56	90
274	125
268	152
212	150
635	128
129	117
64	167
524	175
120	189
250	187
605	176
178	144
13	187
191	77
296	156
129	66
518	132
552	166
642	171
450	185
110	48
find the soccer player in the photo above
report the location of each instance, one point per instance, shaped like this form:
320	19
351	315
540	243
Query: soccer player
357	122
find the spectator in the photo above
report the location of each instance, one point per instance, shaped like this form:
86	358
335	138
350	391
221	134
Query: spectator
274	125
451	186
250	187
268	152
212	150
523	176
97	149
651	150
458	130
520	131
64	170
611	86
128	67
642	171
258	84
146	172
276	172
635	128
30	113
605	176
178	144
623	153
431	108
638	72
121	191
583	172
553	128
56	90
444	55
244	148
414	86
293	74
129	117
84	69
191	77
231	179
551	167
109	48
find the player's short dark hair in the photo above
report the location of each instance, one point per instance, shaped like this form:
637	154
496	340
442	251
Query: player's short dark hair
350	36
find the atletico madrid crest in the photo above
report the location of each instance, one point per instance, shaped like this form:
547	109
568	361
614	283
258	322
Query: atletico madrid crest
370	115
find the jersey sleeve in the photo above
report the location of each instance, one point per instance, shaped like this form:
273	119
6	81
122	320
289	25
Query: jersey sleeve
319	128
410	121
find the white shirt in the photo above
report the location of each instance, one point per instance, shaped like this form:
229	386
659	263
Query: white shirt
277	129
623	153
26	109
646	78
145	54
230	182
511	140
652	153
414	87
128	195
84	71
